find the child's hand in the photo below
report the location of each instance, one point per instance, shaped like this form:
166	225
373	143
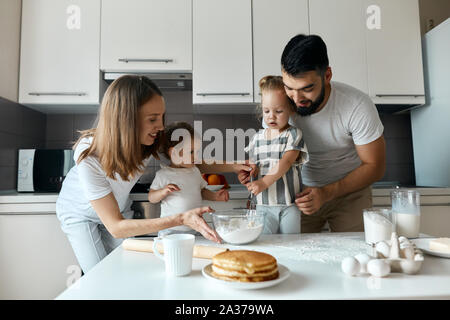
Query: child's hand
169	189
222	195
257	186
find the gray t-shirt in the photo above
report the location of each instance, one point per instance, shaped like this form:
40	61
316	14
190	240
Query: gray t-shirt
349	118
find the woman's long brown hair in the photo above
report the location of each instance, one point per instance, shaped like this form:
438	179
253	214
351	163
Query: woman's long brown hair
115	139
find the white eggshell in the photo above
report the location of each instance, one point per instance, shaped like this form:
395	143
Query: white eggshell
404	245
383	248
350	266
407	253
418	257
403	239
378	268
363	259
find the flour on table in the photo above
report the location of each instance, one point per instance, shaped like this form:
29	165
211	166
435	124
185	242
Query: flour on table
316	247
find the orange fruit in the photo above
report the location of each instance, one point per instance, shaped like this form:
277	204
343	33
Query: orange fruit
213	179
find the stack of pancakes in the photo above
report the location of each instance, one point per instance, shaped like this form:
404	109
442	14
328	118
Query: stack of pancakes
244	266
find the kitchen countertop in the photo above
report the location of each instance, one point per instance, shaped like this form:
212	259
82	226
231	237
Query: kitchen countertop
236	191
313	260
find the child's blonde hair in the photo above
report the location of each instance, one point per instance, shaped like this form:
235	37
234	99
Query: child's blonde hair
272	83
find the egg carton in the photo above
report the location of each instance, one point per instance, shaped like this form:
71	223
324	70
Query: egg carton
401	254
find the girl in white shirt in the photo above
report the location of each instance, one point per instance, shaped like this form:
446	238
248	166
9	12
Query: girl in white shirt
180	186
93	205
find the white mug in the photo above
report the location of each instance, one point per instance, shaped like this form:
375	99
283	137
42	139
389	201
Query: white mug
178	251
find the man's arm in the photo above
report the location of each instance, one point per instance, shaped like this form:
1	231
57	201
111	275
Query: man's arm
372	168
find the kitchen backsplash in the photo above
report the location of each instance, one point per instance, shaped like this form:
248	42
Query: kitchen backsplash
21	127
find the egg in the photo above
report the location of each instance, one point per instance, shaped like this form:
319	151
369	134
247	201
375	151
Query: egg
363	259
350	266
383	248
378	268
403	239
418	257
407	253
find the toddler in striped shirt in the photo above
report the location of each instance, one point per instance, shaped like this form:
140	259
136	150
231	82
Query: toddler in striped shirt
278	151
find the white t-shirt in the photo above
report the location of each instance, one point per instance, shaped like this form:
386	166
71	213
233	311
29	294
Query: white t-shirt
190	182
87	181
348	118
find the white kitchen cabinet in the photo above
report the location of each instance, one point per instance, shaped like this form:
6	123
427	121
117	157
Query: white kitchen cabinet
435	220
59	59
341	25
10	13
146	35
37	261
274	24
394	52
222	52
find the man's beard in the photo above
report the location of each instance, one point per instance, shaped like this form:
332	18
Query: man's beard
307	111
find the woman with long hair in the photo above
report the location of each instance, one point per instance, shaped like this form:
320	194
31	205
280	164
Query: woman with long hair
93	205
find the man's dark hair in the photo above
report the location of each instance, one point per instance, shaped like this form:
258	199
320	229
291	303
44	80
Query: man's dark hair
305	53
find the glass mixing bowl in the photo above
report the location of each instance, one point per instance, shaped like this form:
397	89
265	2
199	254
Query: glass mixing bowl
238	226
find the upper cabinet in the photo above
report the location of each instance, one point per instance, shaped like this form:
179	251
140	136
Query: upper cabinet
10	49
222	52
274	24
394	52
59	59
146	35
341	25
373	45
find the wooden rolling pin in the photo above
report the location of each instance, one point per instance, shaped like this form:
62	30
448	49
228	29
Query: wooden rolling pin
204	252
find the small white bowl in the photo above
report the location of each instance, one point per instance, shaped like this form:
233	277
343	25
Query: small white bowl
214	187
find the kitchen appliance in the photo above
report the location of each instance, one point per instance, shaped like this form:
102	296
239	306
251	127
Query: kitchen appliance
164	81
430	123
43	170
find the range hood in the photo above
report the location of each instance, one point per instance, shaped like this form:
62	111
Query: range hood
165	81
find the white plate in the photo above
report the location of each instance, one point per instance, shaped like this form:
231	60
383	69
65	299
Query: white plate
282	270
214	187
424	245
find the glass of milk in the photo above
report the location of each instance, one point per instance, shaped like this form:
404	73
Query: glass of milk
406	211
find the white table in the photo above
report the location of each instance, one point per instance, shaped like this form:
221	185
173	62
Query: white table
313	260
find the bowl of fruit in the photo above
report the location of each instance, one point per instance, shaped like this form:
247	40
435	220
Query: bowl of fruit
215	181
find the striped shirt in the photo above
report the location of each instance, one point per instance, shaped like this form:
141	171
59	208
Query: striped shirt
267	153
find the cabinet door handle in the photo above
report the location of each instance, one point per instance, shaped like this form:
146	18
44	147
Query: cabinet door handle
57	93
399	95
224	94
126	60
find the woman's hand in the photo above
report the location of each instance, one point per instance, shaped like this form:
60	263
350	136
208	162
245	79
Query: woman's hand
257	186
221	195
193	218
